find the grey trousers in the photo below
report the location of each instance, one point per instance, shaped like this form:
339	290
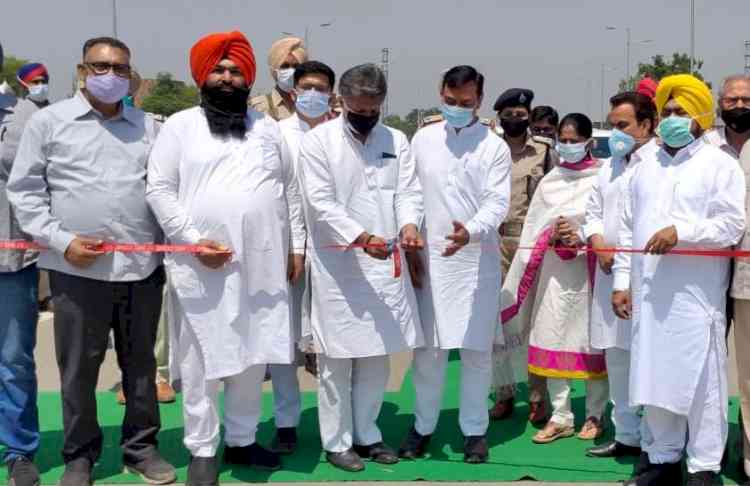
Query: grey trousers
85	311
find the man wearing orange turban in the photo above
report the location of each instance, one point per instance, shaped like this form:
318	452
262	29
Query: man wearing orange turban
688	194
220	177
285	55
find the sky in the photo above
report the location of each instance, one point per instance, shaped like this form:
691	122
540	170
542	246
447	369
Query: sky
556	48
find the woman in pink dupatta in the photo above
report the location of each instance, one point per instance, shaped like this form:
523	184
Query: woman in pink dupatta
547	293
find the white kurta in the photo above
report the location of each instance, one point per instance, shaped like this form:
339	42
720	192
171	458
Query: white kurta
678	301
358	308
603	218
243	194
465	177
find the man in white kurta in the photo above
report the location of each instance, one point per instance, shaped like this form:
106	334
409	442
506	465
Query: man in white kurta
313	85
464	171
690	195
221	176
359	187
633	117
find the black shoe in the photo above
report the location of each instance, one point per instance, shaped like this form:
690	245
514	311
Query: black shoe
153	470
77	473
347	460
22	472
252	455
203	471
613	449
377	452
701	478
414	445
658	475
285	441
476	450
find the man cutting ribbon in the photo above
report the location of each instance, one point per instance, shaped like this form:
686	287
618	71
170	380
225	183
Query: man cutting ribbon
221	176
692	194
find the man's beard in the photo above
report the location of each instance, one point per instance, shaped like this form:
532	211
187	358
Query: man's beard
225	110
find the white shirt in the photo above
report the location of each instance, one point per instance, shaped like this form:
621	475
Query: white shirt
241	193
718	138
602	218
465	177
358	308
677	300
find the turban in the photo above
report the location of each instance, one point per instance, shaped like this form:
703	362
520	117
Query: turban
281	49
691	94
211	49
647	86
27	72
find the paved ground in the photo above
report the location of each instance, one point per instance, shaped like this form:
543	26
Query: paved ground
109	378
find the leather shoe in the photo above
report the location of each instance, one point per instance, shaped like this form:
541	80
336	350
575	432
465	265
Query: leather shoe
476	450
658	475
502	410
77	473
285	441
538	413
153	469
252	455
22	472
613	449
347	460
414	445
202	471
377	452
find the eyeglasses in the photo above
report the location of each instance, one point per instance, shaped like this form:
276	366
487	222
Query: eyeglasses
541	132
734	100
101	68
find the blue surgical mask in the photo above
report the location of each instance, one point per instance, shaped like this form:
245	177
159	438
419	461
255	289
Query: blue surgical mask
620	143
457	116
572	152
675	131
312	104
285	79
108	88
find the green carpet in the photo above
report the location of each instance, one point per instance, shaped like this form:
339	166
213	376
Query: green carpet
513	456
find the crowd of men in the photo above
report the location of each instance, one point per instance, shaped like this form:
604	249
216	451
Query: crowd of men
300	208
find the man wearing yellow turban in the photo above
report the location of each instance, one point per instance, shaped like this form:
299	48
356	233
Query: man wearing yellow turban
285	55
687	194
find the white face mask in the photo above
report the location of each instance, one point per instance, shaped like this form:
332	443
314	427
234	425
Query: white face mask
39	92
285	79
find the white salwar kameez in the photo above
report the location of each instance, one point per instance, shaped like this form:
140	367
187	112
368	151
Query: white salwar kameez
229	322
608	332
360	313
465	176
678	352
546	298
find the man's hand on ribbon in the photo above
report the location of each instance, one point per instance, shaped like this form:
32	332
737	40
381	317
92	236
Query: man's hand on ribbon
295	267
606	258
663	241
374	246
459	238
213	255
411	240
416	268
83	252
621	304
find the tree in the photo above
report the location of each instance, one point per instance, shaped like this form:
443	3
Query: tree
10	66
410	123
169	96
659	67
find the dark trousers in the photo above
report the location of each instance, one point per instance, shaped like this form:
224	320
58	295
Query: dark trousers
85	311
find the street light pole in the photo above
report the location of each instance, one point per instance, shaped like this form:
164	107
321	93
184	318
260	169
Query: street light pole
601	125
114	18
627	58
692	34
308	31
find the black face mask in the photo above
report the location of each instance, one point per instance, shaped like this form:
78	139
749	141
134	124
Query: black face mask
514	127
225	110
363	124
738	119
